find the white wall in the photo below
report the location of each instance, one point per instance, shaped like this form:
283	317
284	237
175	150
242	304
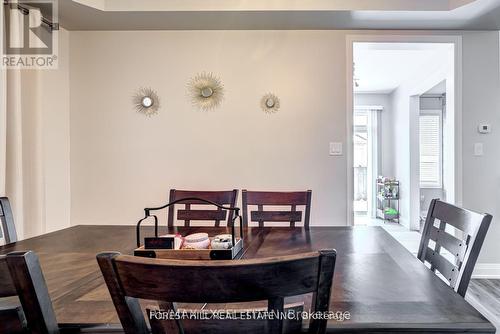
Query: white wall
405	110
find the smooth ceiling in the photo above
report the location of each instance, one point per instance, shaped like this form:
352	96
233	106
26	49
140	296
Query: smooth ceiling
383	67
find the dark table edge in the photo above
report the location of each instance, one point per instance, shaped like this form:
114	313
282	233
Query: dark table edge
486	327
477	328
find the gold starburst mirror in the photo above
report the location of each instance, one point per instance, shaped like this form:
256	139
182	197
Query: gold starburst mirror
270	103
206	91
146	101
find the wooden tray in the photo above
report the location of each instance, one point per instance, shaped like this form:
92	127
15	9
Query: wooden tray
193	254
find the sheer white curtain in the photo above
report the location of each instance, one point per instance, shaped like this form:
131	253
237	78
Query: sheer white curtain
3	119
21	178
11	141
369	126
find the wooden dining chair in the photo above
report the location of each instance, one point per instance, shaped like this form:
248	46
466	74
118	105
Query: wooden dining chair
271	198
465	248
130	279
189	214
21	276
7	221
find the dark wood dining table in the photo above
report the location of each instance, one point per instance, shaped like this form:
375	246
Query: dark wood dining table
381	284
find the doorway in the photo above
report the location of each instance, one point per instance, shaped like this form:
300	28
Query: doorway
392	81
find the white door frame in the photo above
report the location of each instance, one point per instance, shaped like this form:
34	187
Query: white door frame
401	38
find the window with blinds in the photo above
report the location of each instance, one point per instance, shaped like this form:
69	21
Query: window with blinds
430	150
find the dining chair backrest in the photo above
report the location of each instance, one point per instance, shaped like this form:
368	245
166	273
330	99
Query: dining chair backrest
260	199
461	248
7	221
130	279
21	276
188	214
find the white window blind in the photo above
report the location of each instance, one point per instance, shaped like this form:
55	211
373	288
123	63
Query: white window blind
430	151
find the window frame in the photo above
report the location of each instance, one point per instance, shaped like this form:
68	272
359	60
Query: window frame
439	184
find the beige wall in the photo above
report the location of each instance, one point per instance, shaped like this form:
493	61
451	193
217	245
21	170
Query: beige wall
122	161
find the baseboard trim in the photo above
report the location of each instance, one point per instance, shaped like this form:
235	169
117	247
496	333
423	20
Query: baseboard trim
487	270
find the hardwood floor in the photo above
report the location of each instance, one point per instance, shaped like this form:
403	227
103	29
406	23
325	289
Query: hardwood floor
484	295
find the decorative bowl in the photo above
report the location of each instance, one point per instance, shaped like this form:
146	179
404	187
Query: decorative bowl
196	241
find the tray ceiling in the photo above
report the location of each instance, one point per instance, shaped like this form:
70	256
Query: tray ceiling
279	14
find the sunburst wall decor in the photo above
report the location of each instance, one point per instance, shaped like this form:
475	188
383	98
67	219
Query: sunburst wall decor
146	101
270	103
206	91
